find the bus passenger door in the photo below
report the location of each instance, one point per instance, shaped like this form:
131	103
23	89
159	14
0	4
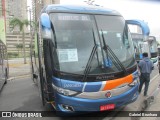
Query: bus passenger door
36	65
45	62
34	61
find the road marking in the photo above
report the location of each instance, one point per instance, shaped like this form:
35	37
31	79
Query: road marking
154	77
152	80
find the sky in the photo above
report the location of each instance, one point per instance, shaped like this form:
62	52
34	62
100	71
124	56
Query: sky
147	10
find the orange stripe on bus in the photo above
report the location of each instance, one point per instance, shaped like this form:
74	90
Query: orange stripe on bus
111	84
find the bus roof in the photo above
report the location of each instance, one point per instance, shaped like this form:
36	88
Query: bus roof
79	9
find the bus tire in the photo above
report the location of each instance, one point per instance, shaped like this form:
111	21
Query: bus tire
41	87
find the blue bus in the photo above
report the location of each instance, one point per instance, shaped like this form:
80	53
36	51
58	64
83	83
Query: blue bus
139	46
153	48
3	64
142	41
140	37
83	59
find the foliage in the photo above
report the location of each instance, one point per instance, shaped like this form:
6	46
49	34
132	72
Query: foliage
32	45
19	46
16	55
21	23
34	25
12	55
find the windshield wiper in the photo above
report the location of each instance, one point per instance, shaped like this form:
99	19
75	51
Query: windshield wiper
113	56
88	66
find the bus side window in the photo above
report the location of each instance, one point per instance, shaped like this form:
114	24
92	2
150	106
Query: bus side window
125	37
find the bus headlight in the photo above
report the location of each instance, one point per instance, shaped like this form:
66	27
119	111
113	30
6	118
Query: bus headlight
135	82
135	79
65	92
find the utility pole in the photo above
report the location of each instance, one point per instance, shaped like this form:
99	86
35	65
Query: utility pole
30	20
31	36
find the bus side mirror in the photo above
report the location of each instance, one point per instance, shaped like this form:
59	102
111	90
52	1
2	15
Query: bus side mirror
45	21
46	26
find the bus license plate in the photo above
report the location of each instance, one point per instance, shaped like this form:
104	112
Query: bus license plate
107	107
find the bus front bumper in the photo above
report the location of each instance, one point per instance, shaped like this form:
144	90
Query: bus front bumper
85	105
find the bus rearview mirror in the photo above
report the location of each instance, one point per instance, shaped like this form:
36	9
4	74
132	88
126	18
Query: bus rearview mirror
45	21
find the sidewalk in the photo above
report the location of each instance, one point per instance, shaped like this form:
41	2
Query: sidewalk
17	68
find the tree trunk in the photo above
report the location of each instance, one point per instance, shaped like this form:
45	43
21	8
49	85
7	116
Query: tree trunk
18	52
24	49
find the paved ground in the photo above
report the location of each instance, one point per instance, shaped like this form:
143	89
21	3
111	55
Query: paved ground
17	68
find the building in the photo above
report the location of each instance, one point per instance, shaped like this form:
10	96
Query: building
15	9
37	6
2	7
18	9
3	10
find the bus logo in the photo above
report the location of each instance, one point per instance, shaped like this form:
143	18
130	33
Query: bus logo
6	114
108	94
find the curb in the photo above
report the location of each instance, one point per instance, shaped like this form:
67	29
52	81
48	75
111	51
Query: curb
21	76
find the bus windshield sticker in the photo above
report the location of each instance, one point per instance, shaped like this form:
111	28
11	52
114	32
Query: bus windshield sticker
67	55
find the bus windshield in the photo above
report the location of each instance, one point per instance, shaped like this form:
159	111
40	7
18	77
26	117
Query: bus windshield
138	47
153	46
76	35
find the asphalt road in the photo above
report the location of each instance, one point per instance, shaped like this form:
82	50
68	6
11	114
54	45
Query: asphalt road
22	95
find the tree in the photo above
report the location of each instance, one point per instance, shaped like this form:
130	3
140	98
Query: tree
21	23
19	46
